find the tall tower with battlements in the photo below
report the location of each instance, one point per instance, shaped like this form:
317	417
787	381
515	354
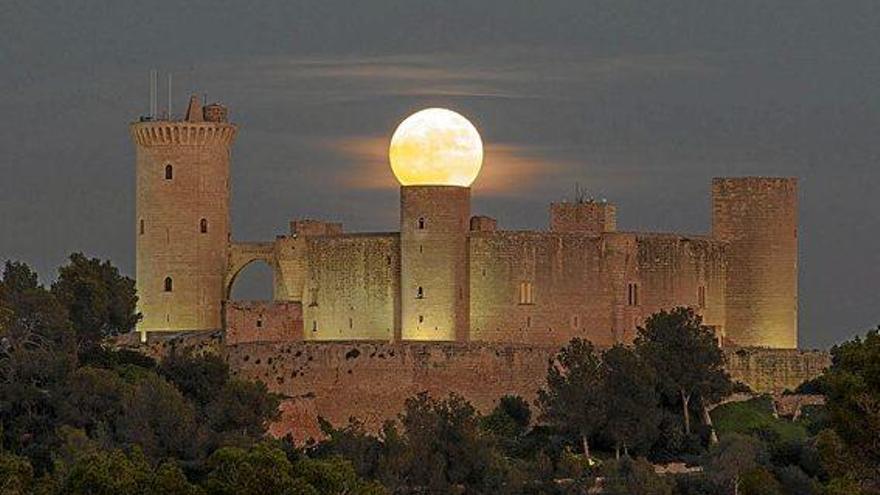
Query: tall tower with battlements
182	224
757	218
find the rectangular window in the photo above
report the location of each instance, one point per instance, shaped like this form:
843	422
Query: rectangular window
314	297
701	297
525	293
632	297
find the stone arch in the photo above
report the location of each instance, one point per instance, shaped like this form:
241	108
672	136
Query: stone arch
243	254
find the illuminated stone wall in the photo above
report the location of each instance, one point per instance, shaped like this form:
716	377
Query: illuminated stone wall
758	218
352	287
675	270
578	284
541	287
434	291
169	238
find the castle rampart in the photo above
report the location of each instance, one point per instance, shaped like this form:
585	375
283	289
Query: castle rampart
376	378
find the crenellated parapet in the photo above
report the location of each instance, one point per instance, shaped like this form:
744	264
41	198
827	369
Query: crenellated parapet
172	133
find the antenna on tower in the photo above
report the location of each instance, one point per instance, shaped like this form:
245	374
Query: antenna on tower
579	193
169	96
154	75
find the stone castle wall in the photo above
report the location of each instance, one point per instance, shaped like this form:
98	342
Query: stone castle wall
352	287
371	380
584	216
262	321
545	288
542	287
675	270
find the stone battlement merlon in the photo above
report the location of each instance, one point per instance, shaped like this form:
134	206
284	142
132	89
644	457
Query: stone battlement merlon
175	133
755	182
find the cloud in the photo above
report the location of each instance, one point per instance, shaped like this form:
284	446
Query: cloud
508	72
507	168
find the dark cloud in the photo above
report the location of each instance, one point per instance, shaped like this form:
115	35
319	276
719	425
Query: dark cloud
638	101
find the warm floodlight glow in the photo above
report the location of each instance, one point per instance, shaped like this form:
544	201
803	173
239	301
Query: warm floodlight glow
436	147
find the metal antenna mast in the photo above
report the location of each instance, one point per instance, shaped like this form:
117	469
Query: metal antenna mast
169	96
154	75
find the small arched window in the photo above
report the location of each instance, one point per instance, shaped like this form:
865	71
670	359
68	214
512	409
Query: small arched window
420	293
421	223
142	227
203	225
169	284
169	172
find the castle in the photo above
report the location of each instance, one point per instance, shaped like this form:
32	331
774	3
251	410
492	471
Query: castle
447	275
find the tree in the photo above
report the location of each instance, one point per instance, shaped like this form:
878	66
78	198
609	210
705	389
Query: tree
333	476
101	302
36	340
16	474
243	408
686	359
157	418
93	397
36	354
759	481
264	469
107	473
168	479
352	442
852	386
572	399
200	377
509	423
628	476
731	459
445	450
631	399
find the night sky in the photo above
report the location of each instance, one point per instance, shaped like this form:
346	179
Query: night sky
639	102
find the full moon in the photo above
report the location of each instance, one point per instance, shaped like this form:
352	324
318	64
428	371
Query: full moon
436	147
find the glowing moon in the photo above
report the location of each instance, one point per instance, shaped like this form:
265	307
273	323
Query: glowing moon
436	147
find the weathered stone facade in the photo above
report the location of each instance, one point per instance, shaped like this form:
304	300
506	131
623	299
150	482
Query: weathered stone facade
376	378
263	321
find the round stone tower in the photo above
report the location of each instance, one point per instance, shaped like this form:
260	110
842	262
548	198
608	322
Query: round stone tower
757	217
182	224
435	296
